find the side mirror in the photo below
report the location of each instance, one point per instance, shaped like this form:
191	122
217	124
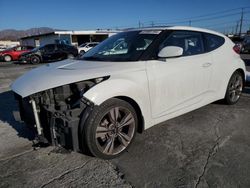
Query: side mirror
170	51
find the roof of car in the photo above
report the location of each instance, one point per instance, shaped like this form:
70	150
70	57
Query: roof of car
177	28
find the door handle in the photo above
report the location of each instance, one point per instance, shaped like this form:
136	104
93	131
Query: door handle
206	65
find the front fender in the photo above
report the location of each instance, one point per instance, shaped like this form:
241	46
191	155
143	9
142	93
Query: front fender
121	87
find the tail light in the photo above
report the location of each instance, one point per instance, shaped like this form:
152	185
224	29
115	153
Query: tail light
237	48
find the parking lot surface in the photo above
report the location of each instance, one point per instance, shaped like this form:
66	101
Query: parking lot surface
209	147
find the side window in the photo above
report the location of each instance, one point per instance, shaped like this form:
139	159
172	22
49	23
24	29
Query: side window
24	48
190	42
18	48
30	47
49	48
213	41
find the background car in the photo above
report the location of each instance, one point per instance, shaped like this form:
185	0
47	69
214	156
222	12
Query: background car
246	45
2	48
49	53
83	48
13	54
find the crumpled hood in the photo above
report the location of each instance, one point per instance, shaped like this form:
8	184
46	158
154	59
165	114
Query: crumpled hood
69	71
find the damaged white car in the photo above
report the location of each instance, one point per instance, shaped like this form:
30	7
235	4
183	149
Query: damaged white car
98	103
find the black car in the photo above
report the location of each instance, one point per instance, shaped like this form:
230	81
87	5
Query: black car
49	53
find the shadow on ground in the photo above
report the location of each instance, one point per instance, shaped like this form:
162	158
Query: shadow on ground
8	105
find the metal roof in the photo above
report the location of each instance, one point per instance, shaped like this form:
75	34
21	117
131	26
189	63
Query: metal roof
83	32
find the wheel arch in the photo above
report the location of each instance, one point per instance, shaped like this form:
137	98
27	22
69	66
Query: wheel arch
241	71
137	108
127	90
7	54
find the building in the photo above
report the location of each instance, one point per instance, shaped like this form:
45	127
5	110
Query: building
75	38
8	43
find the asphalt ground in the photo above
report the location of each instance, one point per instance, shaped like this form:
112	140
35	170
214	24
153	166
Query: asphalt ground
209	147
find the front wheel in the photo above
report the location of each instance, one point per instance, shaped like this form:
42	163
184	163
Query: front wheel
234	88
35	60
7	58
70	56
110	129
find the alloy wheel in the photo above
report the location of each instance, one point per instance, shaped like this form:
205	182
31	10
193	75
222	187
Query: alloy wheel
115	131
235	88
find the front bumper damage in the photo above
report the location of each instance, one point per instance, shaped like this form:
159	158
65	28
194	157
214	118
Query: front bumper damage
57	115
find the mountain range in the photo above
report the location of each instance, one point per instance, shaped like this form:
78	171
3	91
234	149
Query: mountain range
14	35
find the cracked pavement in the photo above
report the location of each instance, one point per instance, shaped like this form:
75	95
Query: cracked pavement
209	147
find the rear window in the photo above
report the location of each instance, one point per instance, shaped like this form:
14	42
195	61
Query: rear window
213	41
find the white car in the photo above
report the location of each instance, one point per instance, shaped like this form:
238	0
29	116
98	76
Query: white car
99	102
83	48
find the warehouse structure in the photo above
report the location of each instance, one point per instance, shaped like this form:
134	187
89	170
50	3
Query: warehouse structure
75	38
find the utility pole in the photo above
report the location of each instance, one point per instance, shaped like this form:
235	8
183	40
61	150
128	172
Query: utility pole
152	24
241	20
189	23
236	29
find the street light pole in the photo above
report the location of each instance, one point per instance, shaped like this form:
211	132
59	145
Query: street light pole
241	20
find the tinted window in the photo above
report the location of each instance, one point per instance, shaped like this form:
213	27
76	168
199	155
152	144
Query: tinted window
65	47
213	41
24	48
92	45
190	42
49	48
29	47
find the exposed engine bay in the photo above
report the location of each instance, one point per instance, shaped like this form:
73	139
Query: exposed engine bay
56	114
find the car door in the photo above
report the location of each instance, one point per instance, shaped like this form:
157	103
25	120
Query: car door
60	52
179	82
17	51
48	52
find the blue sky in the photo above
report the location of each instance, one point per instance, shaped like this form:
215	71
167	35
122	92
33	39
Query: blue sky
81	14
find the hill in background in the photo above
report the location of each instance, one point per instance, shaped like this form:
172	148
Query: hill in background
14	35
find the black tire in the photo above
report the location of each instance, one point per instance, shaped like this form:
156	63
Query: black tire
7	58
113	132
70	56
234	88
35	60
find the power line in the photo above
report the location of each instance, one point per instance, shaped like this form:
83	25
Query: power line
186	20
203	19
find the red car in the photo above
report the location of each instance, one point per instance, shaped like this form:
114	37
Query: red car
13	54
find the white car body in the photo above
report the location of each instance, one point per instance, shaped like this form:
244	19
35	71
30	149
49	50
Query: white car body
163	88
86	46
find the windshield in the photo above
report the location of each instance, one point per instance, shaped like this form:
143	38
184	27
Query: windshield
126	46
82	45
37	48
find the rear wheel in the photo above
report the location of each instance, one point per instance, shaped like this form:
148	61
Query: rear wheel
70	56
110	129
7	58
82	52
35	60
234	88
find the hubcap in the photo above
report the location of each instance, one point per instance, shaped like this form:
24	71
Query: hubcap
7	58
115	131
34	60
235	89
